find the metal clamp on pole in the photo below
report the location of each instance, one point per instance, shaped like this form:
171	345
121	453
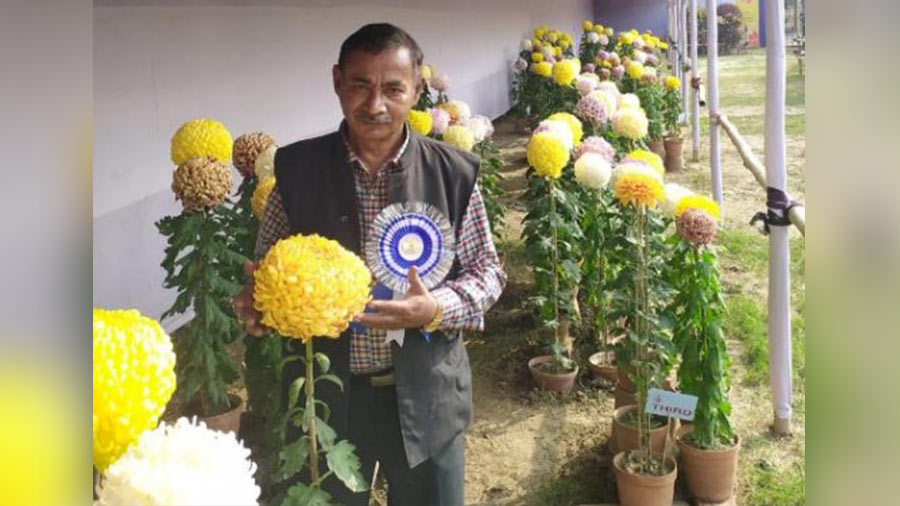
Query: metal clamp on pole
779	207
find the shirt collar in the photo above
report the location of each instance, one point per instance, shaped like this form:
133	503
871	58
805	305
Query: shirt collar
354	159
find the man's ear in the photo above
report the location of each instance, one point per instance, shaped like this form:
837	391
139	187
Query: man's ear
336	78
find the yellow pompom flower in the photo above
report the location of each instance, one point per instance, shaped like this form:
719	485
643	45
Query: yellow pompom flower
572	122
543	69
134	378
610	32
201	137
663	45
540	31
420	121
672	83
557	51
650	158
564	72
548	154
631	123
626	38
553	36
537	57
587	25
309	286
635	184
261	196
635	70
700	203
598	29
459	136
426	72
536	43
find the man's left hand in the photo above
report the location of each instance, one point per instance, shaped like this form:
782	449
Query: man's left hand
416	310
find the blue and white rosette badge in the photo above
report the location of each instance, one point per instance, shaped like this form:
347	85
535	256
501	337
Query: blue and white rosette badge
405	235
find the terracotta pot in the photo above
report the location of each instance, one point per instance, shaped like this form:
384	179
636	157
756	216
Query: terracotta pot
229	421
658	147
710	474
563	382
644	490
624	397
625	380
603	365
626	437
674	161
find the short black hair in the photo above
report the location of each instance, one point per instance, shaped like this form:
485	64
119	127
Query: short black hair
375	38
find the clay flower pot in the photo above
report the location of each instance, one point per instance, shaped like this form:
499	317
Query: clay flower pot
710	474
624	397
562	382
603	365
641	489
625	437
229	421
658	147
673	158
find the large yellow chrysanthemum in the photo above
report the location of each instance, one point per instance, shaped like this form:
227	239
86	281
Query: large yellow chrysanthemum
636	184
631	123
543	69
201	137
672	83
635	70
650	158
134	378
420	121
309	286
459	136
261	196
537	57
573	123
700	203
564	72
548	154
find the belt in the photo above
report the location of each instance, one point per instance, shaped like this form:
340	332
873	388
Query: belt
376	379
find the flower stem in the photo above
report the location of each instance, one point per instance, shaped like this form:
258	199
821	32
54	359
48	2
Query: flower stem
311	414
555	266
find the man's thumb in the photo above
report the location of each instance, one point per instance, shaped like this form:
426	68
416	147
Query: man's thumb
415	283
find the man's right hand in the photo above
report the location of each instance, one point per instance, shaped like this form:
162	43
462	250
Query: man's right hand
243	305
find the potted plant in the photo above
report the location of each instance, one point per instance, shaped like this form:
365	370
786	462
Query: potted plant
709	447
643	477
552	237
201	259
674	143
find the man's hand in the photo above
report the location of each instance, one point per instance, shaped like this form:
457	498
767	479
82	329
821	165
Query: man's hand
416	310
243	305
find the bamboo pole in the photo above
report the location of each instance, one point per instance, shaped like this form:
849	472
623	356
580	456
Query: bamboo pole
712	72
683	48
779	253
695	94
797	215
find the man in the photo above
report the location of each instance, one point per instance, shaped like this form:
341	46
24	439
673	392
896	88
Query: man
407	406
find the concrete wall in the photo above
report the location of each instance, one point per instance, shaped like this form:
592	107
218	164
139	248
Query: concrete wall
640	14
254	65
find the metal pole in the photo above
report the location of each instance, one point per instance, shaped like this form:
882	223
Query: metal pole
712	72
695	94
683	44
779	253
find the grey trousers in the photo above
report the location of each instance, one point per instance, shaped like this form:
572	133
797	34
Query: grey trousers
375	430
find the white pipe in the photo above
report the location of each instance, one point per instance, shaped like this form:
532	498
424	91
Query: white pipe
695	95
683	47
779	253
712	73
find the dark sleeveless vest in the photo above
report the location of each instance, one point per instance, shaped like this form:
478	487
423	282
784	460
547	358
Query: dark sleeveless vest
433	379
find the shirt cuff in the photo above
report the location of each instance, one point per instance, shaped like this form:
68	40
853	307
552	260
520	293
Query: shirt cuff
452	307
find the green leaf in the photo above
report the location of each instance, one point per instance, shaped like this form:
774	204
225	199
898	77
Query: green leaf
304	495
332	378
324	362
294	391
325	433
293	457
345	464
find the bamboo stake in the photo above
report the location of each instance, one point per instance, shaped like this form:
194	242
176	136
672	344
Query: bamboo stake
695	93
712	72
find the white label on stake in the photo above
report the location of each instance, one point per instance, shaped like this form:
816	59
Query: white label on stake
670	404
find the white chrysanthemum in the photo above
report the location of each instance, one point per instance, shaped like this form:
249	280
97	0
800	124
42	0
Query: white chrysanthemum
463	112
548	53
527	45
674	193
593	170
629	100
558	128
185	463
587	82
609	87
640	56
593	37
264	166
480	126
610	101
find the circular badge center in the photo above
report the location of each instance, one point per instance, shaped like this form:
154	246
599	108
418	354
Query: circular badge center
411	247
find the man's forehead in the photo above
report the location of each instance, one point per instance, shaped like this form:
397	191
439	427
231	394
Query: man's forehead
392	58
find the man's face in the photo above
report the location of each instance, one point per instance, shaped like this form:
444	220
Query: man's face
376	92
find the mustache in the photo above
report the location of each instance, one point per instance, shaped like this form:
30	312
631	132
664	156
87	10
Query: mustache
375	120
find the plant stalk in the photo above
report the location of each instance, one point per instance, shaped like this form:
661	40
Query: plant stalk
311	408
556	335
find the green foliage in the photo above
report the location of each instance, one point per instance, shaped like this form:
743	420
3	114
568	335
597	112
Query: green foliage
489	178
770	485
698	311
201	262
653	102
320	441
672	105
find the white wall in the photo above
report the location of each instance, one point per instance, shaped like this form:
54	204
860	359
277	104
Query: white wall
254	65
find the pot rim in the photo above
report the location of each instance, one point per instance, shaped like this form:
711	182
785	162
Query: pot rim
619	457
686	429
540	359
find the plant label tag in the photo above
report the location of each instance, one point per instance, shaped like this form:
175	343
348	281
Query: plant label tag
670	404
